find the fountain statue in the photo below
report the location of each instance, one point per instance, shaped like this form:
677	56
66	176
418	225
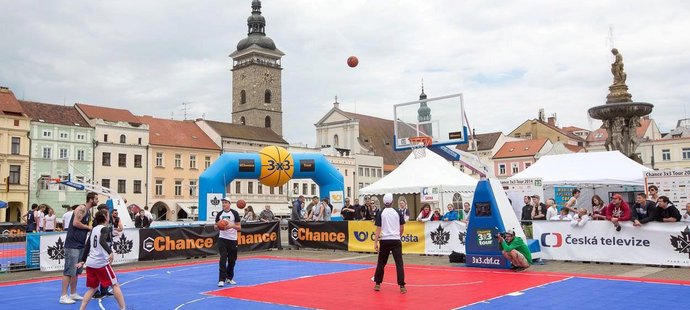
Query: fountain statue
620	115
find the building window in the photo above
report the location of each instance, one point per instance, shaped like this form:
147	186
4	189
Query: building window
192	188
336	143
349	191
295	188
15	174
272	190
250	187
105	138
267	96
137	161
16	122
313	189
259	188
106	159
192	161
378	173
361	185
159	159
81	136
63	154
366	172
280	190
121	186
207	162
178	160
47	133
64	135
123	139
345	172
528	135
686	153
178	187
105	183
243	97
502	169
159	188
517	135
515	168
243	121
139	141
44	182
137	186
665	154
80	154
267	122
527	165
47	153
305	187
16	145
361	171
238	187
122	160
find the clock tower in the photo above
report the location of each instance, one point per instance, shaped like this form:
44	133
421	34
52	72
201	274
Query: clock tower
256	77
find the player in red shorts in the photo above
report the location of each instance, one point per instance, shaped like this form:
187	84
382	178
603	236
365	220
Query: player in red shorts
98	256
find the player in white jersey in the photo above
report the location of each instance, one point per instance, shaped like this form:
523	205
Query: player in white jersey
98	256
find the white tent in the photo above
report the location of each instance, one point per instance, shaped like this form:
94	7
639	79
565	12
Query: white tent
601	168
415	173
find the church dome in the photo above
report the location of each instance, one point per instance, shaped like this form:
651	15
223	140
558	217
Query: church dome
256	38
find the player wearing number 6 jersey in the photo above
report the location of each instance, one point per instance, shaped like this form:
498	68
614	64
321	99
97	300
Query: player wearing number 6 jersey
98	256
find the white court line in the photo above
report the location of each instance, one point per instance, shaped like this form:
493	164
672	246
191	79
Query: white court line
350	258
486	301
193	301
435	285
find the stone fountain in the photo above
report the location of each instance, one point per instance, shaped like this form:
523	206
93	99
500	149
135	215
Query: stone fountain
621	116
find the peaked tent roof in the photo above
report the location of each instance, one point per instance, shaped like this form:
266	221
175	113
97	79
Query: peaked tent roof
609	168
415	173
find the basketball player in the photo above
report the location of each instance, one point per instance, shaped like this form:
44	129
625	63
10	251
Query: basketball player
227	243
389	226
97	257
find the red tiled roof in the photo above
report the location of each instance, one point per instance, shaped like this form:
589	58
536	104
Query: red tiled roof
108	114
237	131
177	133
485	141
639	131
8	103
53	114
574	148
376	134
572	129
521	148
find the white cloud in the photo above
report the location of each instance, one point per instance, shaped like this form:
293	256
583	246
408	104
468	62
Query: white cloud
510	58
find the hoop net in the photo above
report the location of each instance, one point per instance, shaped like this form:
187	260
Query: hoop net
419	145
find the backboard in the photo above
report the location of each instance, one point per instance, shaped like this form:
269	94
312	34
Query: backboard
441	118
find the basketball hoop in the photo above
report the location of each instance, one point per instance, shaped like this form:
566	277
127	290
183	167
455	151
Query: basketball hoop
419	144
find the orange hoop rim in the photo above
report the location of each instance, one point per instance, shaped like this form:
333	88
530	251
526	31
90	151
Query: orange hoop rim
426	141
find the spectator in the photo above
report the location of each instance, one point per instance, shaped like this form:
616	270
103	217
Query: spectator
316	211
40	215
365	211
666	211
373	210
564	215
327	210
348	211
643	210
49	221
249	215
538	210
551	210
309	212
67	217
31	219
425	214
598	209
653	192
515	250
618	211
580	219
452	214
297	206
141	220
267	215
436	216
466	212
572	202
149	215
74	246
116	222
686	216
526	218
402	207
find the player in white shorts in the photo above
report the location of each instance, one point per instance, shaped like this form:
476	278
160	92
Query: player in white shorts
98	256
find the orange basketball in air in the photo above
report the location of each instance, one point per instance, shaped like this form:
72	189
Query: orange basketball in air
241	204
352	61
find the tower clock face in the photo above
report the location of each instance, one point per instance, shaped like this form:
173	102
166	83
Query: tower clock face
267	77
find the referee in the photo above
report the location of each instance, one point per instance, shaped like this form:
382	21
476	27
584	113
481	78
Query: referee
389	226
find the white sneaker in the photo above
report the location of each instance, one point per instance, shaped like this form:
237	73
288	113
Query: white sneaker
64	299
221	283
75	296
231	282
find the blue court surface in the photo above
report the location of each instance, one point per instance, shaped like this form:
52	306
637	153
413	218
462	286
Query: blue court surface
190	287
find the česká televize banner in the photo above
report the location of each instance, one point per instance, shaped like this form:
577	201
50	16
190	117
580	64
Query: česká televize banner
52	249
259	236
320	235
598	241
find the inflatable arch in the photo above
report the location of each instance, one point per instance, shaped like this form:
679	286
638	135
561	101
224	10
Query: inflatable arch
272	166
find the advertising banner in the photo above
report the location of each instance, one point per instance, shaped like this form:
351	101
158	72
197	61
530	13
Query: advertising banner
52	249
361	237
413	238
429	194
561	195
598	241
674	184
517	189
258	236
185	241
445	237
213	206
337	199
320	235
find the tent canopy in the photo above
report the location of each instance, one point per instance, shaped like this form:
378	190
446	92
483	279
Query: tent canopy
608	168
415	173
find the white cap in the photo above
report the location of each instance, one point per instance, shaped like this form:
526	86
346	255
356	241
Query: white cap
388	199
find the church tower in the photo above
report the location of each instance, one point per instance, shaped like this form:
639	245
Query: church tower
256	77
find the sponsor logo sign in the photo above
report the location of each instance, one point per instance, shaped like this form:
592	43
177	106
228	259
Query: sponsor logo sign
325	235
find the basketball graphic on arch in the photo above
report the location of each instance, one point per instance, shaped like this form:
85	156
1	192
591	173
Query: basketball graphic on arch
277	166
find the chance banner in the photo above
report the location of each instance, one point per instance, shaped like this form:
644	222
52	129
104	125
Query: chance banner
598	241
258	236
320	235
185	241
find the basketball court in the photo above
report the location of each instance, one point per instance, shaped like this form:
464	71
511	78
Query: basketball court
281	283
